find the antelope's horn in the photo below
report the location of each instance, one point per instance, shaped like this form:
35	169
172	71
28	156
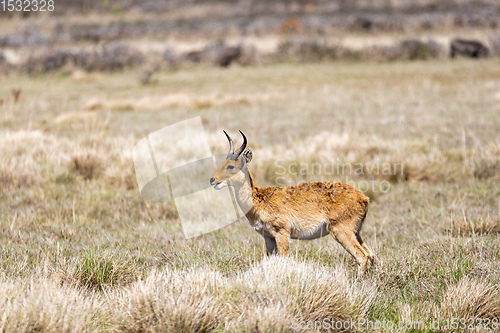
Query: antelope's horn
231	145
243	146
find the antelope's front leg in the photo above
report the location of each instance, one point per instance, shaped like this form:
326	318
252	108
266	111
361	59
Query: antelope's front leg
283	242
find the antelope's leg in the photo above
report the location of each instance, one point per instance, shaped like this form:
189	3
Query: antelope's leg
348	240
283	242
368	251
271	246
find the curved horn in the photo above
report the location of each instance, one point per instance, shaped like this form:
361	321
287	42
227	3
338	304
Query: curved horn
231	144
243	146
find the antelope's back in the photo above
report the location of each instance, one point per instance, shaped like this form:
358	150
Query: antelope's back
334	199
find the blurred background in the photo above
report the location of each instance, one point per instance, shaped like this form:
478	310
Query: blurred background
111	35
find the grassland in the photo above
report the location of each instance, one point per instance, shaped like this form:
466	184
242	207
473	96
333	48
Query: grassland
80	250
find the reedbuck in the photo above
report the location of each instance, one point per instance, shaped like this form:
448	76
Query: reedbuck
306	211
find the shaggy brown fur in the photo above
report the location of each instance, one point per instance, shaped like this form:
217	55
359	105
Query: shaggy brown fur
306	211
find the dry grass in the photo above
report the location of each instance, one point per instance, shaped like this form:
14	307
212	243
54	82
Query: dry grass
42	305
190	300
87	165
98	270
471	299
469	227
80	250
180	100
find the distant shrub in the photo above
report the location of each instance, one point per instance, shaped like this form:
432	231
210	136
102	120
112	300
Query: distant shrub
414	49
47	60
468	48
109	57
495	44
408	49
476	17
88	165
32	38
215	53
378	22
304	49
94	33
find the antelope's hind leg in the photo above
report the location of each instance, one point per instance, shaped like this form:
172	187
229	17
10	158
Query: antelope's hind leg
369	252
350	242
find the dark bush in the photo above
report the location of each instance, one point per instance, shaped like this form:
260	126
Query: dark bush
109	57
303	49
468	48
95	33
88	165
409	49
414	49
495	44
215	53
23	39
47	60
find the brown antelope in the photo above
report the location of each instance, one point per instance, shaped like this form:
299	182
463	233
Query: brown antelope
306	211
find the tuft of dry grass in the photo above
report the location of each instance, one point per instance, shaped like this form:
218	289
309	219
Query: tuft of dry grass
12	179
265	297
168	302
100	270
472	227
88	165
294	289
471	299
40	304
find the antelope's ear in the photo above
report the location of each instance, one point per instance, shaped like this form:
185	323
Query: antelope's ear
247	156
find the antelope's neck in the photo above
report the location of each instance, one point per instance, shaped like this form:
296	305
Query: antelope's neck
245	192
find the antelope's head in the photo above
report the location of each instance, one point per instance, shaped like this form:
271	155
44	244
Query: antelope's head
232	169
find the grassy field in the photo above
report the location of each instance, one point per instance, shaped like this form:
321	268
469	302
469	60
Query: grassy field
80	250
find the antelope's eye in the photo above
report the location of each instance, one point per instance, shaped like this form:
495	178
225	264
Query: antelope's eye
229	167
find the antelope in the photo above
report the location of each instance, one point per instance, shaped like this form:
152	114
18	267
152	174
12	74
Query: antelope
306	211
